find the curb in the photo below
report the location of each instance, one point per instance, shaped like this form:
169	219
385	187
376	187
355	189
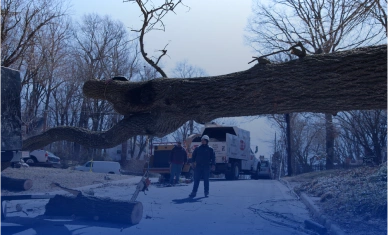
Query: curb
330	226
322	219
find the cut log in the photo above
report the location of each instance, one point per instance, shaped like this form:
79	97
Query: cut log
15	185
101	209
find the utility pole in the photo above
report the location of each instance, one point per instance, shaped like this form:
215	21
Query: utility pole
288	134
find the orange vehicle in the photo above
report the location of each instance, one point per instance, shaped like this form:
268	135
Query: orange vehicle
160	158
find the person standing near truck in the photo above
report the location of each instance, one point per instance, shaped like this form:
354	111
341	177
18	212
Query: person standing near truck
178	157
203	160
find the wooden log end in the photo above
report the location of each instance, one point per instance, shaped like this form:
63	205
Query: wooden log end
15	185
27	184
137	213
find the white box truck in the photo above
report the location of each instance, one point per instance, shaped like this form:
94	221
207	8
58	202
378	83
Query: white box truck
232	149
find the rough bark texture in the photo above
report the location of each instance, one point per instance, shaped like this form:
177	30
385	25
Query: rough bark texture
101	209
15	185
11	133
328	83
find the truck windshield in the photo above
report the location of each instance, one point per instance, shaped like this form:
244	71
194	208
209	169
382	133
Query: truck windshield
264	164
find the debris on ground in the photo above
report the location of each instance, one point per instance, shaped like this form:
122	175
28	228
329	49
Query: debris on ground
43	177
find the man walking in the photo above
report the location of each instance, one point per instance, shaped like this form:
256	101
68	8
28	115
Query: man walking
178	157
203	159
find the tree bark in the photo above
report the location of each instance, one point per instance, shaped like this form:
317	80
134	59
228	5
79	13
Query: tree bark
15	185
326	83
101	209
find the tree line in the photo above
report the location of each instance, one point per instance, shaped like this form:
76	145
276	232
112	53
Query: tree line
323	27
57	55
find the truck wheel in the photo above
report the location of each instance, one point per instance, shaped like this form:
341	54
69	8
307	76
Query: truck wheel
30	160
236	171
255	175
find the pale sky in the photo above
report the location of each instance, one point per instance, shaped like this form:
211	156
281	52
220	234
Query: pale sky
209	35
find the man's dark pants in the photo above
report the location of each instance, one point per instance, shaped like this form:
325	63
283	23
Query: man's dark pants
176	170
198	172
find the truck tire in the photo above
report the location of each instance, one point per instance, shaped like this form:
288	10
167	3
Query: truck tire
255	175
234	173
30	160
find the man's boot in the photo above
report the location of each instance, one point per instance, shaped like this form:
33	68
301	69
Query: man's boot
193	194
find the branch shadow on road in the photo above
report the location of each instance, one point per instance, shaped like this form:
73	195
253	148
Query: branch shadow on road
187	200
44	225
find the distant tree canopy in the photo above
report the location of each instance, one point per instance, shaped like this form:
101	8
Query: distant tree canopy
326	83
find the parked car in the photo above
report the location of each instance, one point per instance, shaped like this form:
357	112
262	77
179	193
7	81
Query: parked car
100	167
265	169
37	156
54	160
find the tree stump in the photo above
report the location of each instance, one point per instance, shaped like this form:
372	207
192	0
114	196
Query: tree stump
101	209
15	185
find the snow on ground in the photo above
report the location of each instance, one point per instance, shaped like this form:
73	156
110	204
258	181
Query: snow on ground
234	207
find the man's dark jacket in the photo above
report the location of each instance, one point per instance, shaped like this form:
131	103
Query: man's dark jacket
178	155
204	155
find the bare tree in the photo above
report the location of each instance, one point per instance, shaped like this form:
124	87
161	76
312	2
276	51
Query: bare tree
322	26
184	69
21	20
308	138
103	50
156	107
308	135
368	129
153	20
379	13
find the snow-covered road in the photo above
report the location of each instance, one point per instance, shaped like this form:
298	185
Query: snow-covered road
234	207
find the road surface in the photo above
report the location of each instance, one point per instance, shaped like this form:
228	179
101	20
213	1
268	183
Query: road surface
233	207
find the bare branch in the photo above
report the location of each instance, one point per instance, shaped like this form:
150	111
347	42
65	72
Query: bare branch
152	17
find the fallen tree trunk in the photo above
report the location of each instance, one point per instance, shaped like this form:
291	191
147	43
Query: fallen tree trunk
325	83
101	209
15	185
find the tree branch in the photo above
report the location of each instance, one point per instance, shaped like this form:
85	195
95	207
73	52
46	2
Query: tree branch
325	83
